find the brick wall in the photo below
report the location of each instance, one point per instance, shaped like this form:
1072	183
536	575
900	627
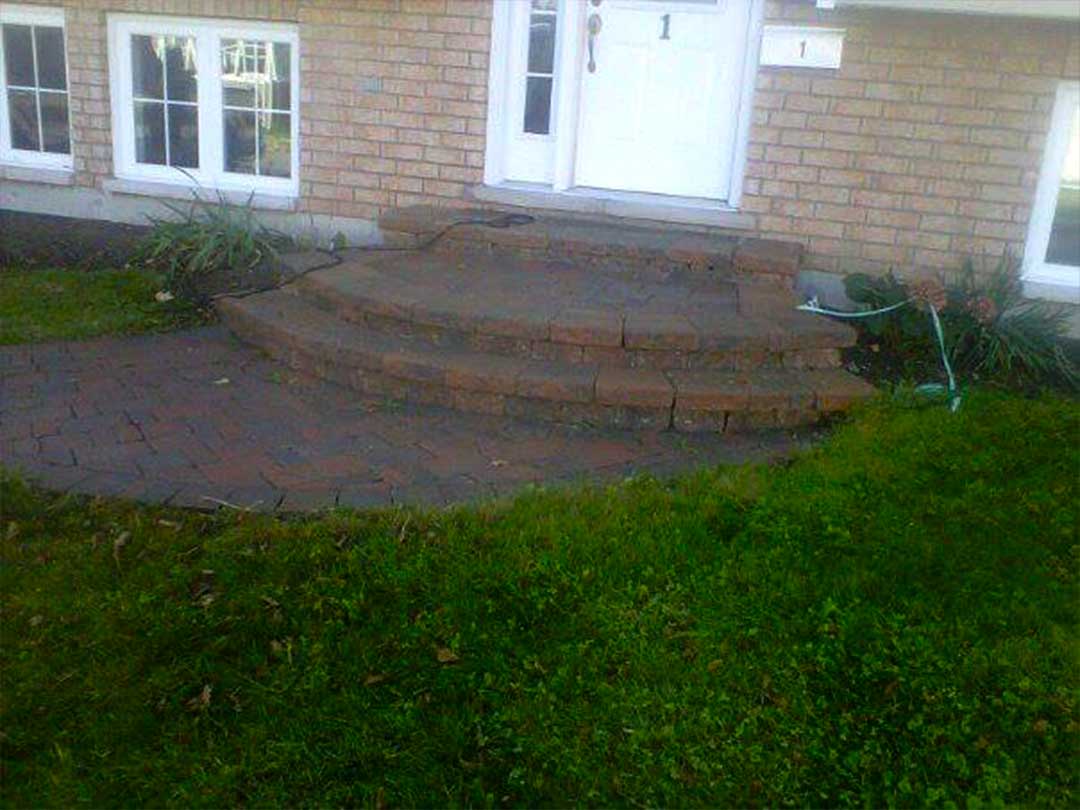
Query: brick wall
392	103
925	146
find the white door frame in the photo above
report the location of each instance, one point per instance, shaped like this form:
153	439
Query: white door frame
569	56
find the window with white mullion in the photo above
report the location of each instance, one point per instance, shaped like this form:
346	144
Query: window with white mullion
34	119
215	99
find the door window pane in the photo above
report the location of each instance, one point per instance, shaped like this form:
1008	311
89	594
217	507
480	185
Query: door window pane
540	68
542	44
257	94
538	105
1064	246
36	79
22	105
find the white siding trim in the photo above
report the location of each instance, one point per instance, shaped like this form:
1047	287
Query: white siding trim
1054	9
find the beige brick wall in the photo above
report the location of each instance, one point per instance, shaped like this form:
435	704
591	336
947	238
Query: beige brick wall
922	149
392	102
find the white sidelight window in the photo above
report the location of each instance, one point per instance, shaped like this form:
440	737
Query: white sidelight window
34	120
1052	254
211	103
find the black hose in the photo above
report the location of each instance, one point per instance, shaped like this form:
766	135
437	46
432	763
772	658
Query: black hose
500	221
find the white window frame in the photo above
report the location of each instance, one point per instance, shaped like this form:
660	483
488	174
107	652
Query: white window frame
1036	270
208	34
44	16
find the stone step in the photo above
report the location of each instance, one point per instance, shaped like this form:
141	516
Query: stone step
402	367
551	310
607	243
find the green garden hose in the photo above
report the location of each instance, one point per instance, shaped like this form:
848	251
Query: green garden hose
952	392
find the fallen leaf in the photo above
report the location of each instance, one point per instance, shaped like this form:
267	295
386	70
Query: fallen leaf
374	679
271	602
170	524
445	655
12	530
118	544
162	296
36	620
201	702
222	381
714	665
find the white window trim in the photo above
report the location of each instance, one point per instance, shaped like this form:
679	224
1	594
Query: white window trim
1036	270
29	158
208	34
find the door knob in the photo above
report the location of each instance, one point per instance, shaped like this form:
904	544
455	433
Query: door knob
594	26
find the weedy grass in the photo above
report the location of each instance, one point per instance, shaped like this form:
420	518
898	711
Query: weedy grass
889	620
41	304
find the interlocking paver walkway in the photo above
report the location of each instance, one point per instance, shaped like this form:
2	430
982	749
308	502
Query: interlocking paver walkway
195	418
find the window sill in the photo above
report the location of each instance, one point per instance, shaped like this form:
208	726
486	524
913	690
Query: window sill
35	174
629	205
175	191
1059	284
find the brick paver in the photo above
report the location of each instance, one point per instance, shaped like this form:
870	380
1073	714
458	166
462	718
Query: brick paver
196	419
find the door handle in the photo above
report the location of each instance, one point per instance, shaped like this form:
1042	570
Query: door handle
594	26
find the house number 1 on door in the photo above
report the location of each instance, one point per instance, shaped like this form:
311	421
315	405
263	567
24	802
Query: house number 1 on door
666	32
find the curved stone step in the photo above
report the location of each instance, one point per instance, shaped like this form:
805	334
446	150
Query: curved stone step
598	240
516	307
402	367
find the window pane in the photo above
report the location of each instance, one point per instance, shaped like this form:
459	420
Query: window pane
182	78
19	56
54	123
279	70
24	120
1064	247
50	58
256	74
240	141
542	43
150	132
275	144
240	75
147	80
183	136
538	105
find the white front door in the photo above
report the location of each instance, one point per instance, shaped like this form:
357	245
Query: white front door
660	96
647	99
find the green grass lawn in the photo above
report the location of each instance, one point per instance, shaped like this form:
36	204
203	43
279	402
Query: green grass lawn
68	304
890	620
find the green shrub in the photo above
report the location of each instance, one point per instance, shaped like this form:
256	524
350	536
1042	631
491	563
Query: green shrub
210	247
992	332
